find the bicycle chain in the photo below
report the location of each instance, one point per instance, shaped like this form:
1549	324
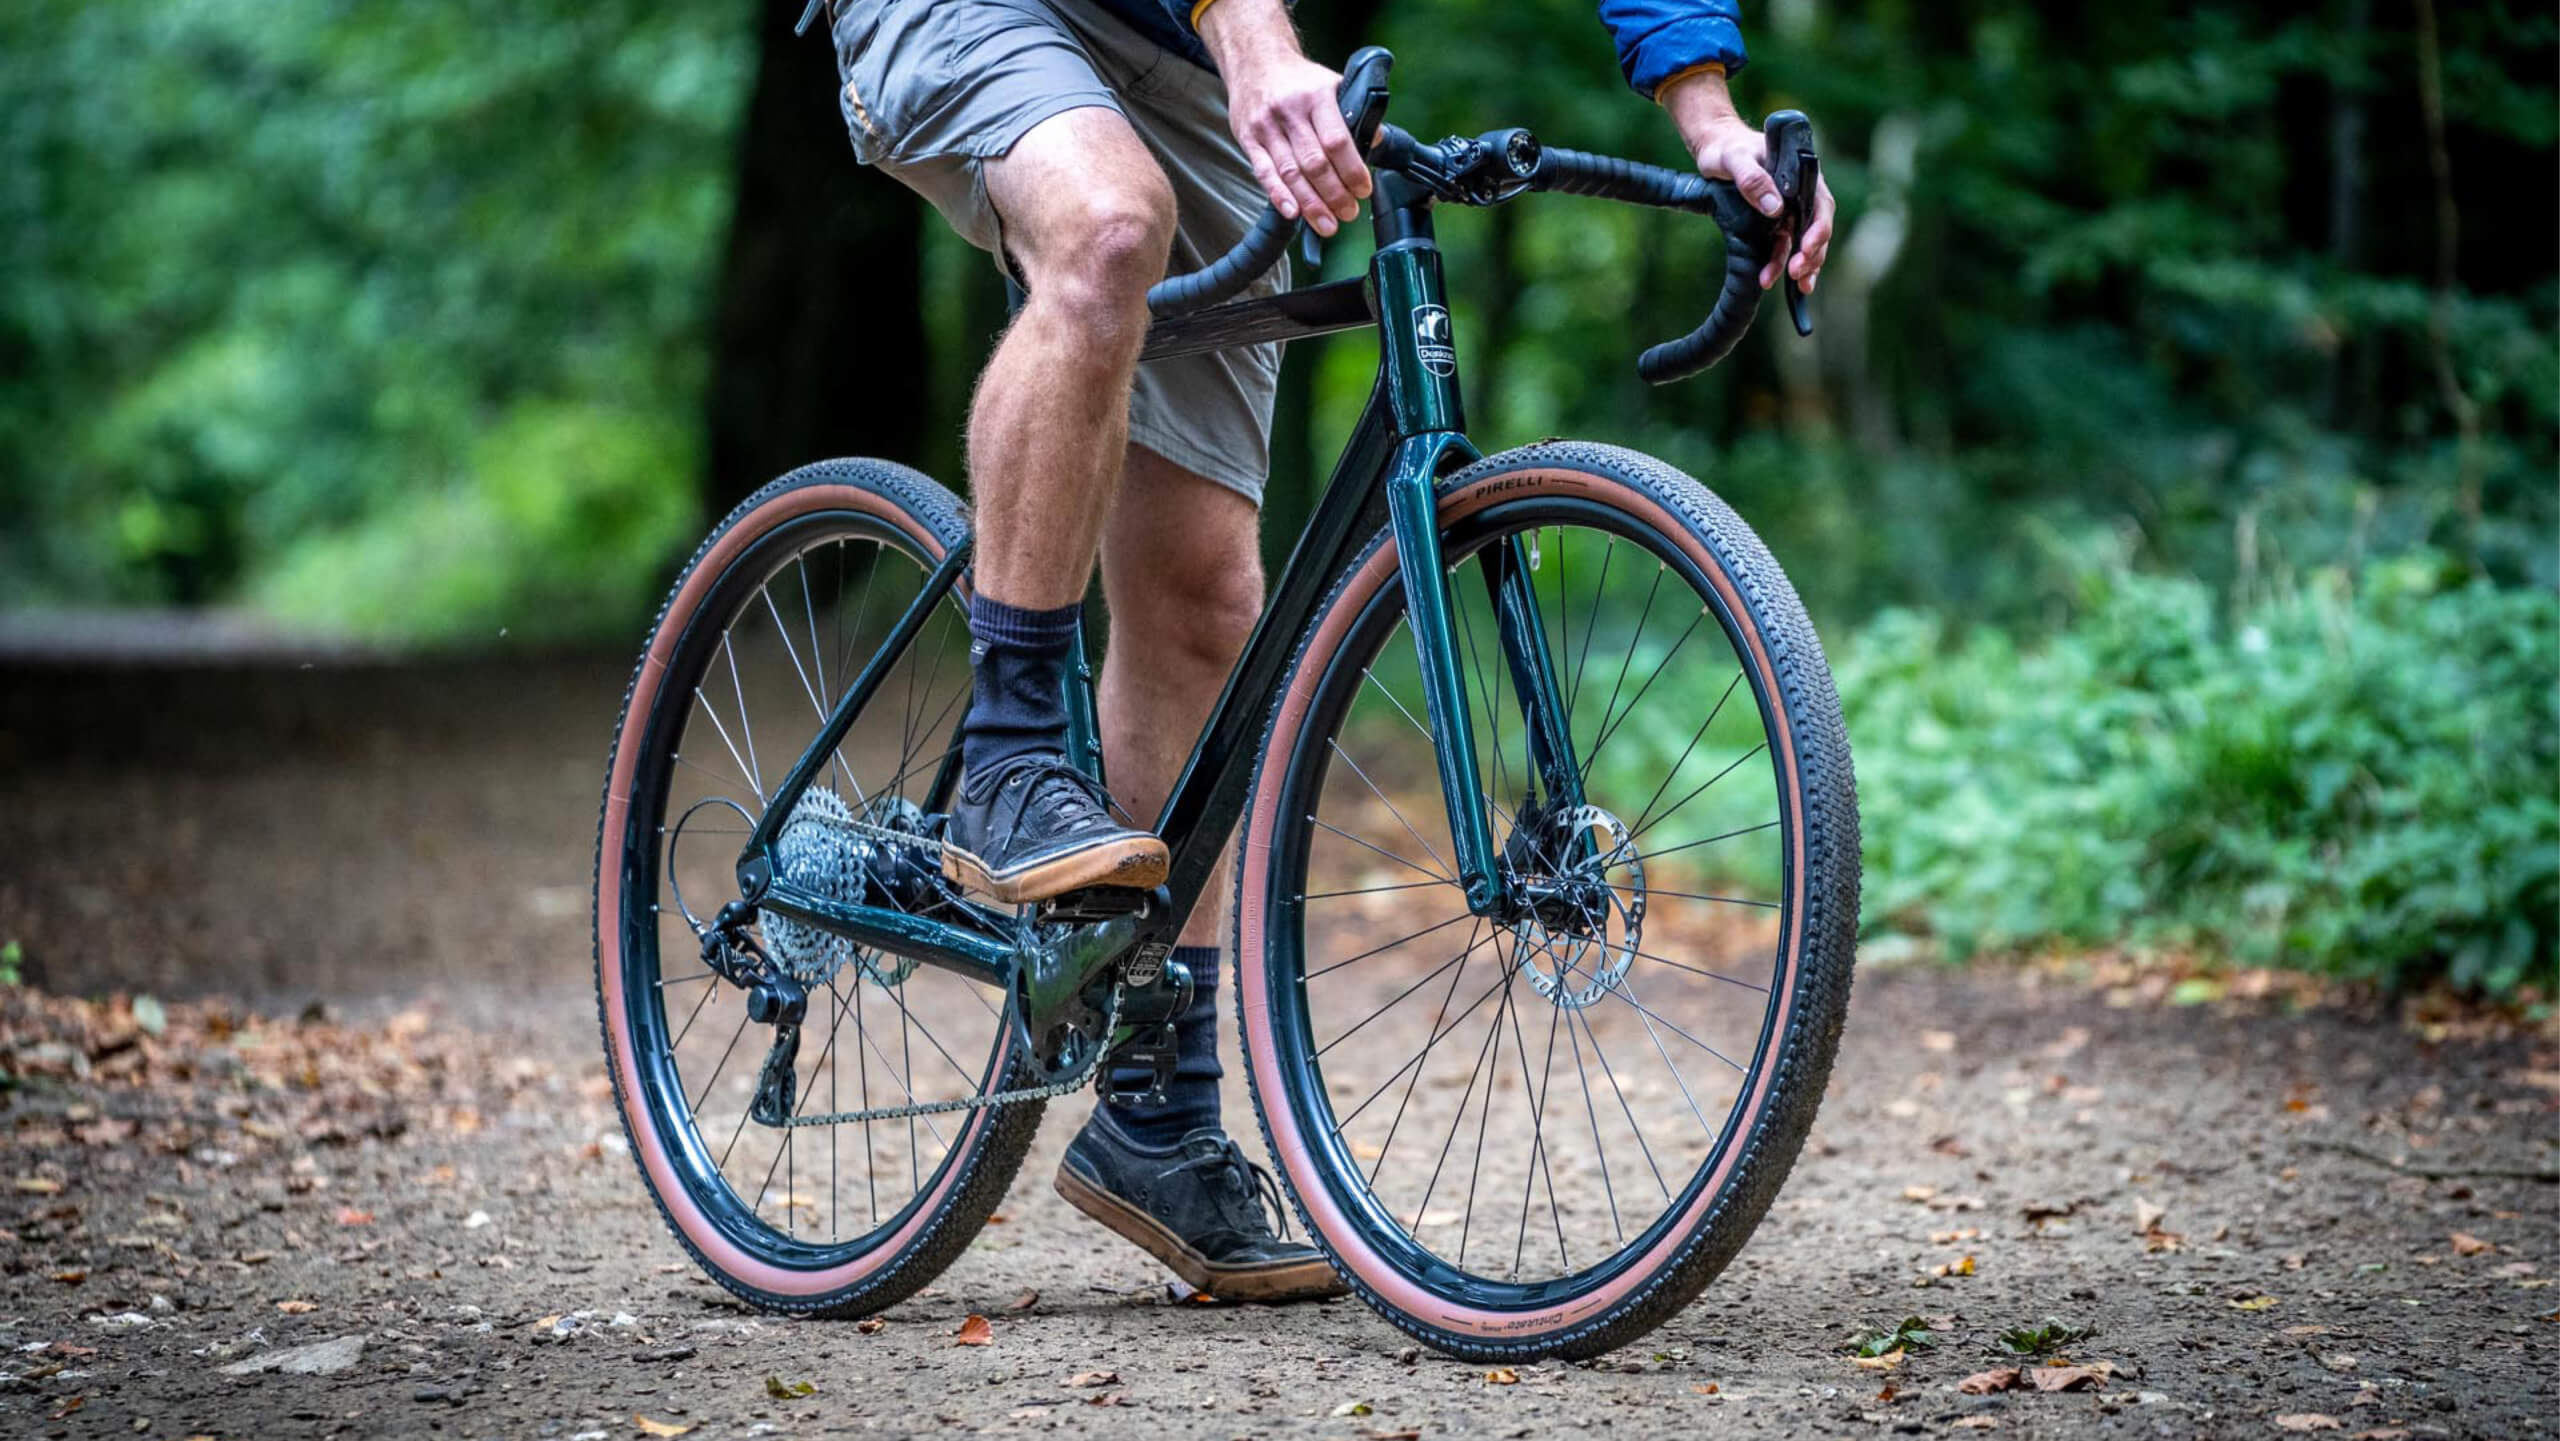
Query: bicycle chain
1076	1082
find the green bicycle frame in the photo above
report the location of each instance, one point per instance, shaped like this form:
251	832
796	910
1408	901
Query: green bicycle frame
1410	434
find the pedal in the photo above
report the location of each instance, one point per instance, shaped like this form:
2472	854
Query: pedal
1154	1048
1098	903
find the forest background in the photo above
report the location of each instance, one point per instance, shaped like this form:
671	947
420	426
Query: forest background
2172	471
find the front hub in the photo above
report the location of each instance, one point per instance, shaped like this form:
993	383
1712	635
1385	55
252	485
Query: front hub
1577	884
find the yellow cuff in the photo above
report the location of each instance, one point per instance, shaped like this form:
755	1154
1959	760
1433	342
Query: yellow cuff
1706	67
1203	8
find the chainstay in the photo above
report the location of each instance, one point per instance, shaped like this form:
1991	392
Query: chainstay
1055	1089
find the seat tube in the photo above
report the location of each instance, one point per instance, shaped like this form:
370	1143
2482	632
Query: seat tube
1419	361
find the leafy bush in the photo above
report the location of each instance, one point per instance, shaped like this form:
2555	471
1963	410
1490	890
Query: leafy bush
2355	776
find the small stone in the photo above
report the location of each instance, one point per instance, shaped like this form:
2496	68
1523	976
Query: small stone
322	1358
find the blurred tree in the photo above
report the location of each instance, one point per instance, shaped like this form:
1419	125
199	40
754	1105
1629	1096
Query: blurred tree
820	342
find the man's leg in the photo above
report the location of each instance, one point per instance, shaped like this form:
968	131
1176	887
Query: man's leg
1088	221
1181	568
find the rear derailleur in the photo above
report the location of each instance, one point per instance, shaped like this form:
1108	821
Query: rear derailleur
775	998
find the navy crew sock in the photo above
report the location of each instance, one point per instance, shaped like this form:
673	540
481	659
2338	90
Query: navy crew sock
1191	1100
1018	674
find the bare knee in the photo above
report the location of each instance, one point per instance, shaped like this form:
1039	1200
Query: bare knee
1101	250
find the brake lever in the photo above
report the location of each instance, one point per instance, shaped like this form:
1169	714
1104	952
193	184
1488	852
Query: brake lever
1798	171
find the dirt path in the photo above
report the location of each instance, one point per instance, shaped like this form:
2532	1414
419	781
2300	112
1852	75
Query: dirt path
426	1173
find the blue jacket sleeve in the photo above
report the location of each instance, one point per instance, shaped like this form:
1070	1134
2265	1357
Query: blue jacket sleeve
1658	39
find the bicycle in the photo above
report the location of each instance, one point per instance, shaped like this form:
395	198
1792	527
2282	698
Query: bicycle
1559	879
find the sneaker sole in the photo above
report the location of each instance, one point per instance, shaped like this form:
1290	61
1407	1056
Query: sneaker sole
1139	862
1307	1280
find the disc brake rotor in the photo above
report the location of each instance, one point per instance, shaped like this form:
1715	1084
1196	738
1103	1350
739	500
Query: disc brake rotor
1578	963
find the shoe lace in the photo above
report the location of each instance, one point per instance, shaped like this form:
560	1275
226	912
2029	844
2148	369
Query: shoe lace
1070	795
1238	1182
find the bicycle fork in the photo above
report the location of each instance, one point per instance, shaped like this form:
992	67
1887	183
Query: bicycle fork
1421	374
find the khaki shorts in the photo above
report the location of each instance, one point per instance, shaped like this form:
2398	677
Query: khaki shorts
933	89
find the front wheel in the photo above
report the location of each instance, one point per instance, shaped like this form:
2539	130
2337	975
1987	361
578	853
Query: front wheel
1653	1037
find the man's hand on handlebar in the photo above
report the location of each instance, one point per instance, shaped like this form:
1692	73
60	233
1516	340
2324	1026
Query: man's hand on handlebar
1285	114
1728	148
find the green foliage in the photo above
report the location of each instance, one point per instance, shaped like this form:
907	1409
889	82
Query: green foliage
305	302
1909	1334
2350	775
2046	1339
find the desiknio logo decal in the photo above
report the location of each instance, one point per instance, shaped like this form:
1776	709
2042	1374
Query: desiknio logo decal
1431	339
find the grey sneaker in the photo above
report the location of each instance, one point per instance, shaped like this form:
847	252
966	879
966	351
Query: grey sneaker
1201	1208
1034	827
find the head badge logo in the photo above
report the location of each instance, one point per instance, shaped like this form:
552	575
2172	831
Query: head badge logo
1431	339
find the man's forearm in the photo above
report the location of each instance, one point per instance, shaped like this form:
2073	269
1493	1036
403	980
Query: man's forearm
1244	35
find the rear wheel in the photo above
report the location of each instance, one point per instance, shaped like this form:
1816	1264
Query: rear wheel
790	598
1545	1137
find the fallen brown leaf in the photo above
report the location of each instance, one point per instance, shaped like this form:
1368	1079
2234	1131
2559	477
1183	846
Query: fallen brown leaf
2309	1421
2256	1303
870	1325
1024	1302
350	1216
67	1407
1502	1376
974	1332
1083	1379
657	1428
2466	1244
1885	1362
39	1186
2065	1378
1984	1383
297	1308
71	1276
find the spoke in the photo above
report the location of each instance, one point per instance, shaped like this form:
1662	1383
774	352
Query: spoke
782	632
1590	627
1391	945
1452	1024
1428	1041
1702	896
1610	707
1645	1018
1374	890
717	1067
1694	737
809	607
1413	866
1425	732
862	608
1702	790
862	1068
906	753
1592	1110
696	1015
696	976
738	688
1626	992
1433	974
1538	1133
1501	986
1390	805
1606	1070
956	1068
1467	1225
1607	729
1711	840
745	772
